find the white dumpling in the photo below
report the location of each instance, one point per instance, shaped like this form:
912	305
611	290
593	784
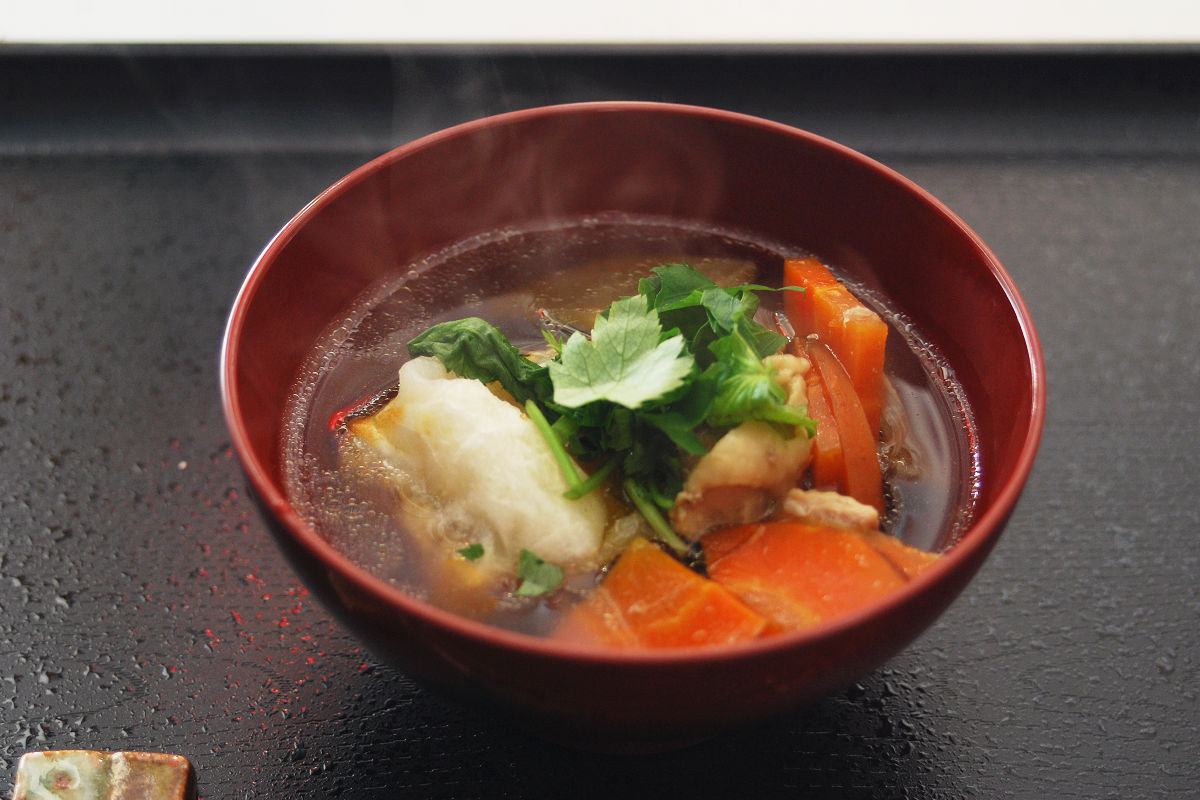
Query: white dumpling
486	467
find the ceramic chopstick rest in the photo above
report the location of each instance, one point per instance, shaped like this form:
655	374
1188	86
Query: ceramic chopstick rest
97	775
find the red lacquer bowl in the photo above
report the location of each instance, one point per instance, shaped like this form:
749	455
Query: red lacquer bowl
690	163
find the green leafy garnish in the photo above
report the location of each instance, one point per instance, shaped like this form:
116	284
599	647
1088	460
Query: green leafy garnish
554	340
748	389
627	361
471	552
570	470
704	312
538	577
473	348
681	355
654	518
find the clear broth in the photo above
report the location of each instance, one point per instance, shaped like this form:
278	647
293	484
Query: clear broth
575	269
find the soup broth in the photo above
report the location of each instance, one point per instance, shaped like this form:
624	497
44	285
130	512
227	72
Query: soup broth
568	272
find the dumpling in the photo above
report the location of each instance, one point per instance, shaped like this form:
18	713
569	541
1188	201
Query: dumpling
482	468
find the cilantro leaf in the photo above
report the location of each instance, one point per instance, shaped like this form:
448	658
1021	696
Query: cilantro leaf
538	577
627	361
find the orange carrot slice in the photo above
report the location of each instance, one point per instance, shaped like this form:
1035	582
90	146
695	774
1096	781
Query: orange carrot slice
717	544
906	558
797	575
651	600
861	477
828	464
855	333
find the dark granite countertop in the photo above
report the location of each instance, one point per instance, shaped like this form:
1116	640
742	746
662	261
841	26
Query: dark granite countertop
143	606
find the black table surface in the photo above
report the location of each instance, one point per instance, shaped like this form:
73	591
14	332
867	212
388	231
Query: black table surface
143	605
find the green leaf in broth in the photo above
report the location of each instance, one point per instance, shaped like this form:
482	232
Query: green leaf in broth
538	577
474	348
472	552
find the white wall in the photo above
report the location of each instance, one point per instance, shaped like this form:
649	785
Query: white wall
602	21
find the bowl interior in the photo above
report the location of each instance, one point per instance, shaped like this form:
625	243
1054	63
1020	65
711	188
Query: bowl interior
692	164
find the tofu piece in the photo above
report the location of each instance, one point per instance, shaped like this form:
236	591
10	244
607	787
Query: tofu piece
483	467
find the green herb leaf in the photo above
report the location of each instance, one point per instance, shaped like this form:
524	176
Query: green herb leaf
748	389
472	552
627	361
681	418
653	462
726	310
703	311
675	286
473	348
765	341
680	430
538	577
554	340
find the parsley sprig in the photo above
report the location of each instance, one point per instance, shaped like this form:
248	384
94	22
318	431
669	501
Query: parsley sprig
680	355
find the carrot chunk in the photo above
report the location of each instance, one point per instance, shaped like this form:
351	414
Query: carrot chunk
828	464
861	476
855	333
797	575
651	600
906	558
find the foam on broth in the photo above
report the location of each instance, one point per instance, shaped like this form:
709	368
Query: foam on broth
574	269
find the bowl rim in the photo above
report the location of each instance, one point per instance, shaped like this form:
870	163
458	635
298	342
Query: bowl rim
979	536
